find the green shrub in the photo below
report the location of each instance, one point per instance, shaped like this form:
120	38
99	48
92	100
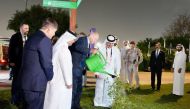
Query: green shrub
118	92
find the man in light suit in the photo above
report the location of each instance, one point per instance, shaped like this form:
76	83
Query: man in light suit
157	61
80	50
37	66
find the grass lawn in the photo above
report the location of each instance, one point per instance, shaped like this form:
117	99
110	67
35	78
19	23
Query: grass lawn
144	97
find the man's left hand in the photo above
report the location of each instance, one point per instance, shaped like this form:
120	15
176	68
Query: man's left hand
69	86
179	71
136	65
163	70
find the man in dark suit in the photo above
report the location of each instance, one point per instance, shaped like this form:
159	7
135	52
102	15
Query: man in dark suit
15	58
80	50
37	66
157	61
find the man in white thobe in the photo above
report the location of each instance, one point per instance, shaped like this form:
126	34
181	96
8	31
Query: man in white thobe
133	59
124	73
179	65
105	81
59	89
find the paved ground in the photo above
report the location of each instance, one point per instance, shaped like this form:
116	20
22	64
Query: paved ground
167	77
4	82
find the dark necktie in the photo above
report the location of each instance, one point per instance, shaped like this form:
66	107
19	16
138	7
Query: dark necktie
89	47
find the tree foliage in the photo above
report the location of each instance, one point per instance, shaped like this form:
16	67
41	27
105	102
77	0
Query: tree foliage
35	15
178	32
180	27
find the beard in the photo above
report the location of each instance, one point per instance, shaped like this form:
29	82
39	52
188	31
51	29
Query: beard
26	33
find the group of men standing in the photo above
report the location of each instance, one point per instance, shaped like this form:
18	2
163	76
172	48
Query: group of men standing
42	73
132	57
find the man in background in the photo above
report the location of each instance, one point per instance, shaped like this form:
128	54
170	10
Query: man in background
157	61
133	59
15	59
179	66
124	72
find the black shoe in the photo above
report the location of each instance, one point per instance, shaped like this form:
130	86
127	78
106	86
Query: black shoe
76	108
79	108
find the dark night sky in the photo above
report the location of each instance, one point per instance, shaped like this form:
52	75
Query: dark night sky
127	19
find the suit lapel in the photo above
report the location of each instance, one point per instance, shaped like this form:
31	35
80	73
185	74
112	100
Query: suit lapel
87	45
86	41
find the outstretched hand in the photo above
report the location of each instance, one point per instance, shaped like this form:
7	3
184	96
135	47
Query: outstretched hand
94	50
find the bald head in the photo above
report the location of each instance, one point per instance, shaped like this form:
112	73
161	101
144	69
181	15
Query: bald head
93	37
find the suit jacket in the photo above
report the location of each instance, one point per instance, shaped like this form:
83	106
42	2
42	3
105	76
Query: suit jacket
157	62
37	66
15	50
79	51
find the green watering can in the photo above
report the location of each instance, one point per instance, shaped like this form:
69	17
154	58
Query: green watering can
96	63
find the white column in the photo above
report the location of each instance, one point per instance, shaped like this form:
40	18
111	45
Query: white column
148	54
164	43
189	50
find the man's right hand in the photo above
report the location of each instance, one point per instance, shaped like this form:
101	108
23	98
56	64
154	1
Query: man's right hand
148	68
172	69
97	76
12	64
69	86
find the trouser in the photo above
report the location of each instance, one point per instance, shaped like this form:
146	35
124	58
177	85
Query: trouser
84	80
16	97
132	69
158	73
77	90
11	74
33	99
124	72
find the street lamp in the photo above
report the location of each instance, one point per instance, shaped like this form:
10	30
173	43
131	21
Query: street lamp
164	43
148	54
170	52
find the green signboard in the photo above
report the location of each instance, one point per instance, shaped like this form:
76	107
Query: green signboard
61	4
